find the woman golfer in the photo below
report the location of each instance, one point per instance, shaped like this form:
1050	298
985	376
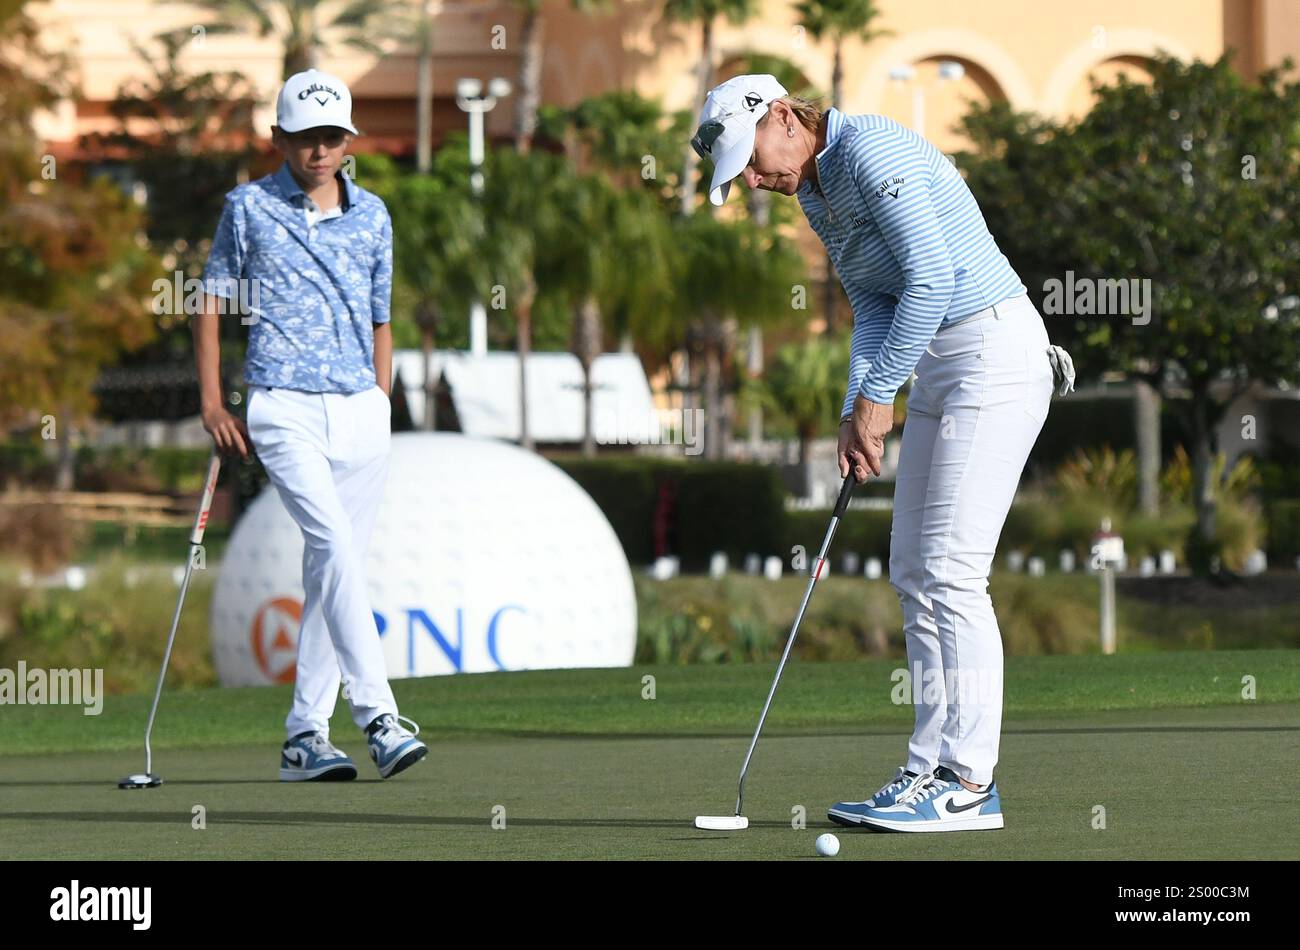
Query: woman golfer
314	251
931	294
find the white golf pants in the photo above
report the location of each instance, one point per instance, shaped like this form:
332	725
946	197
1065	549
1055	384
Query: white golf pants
980	398
327	455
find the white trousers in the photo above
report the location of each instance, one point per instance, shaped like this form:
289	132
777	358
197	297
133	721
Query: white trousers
980	398
327	456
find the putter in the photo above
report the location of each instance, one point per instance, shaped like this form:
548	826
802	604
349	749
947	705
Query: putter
147	779
739	822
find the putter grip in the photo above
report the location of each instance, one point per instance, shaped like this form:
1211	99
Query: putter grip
205	503
846	492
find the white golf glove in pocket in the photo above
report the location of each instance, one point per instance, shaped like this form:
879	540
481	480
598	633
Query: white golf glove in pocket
1062	369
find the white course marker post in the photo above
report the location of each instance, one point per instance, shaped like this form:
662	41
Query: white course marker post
1107	553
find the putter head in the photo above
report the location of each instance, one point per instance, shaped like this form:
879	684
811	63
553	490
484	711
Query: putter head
141	780
721	822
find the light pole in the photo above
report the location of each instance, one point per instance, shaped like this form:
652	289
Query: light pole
905	74
949	71
471	99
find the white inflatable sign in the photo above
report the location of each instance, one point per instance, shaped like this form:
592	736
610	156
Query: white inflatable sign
484	557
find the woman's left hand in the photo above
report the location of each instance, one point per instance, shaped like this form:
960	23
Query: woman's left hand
864	446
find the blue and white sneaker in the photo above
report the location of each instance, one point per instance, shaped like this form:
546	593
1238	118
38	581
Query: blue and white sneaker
309	757
392	747
847	813
940	803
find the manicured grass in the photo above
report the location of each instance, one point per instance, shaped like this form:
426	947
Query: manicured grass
582	766
689	700
168	545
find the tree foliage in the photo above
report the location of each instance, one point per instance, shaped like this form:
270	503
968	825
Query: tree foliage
1188	182
75	273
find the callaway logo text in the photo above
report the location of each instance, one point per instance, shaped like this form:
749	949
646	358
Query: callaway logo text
889	186
317	87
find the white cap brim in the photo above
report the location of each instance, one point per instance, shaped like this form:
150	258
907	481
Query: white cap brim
302	127
729	166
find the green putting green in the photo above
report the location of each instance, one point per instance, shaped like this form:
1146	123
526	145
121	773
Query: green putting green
581	764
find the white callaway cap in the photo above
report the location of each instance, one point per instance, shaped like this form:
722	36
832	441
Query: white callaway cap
312	99
726	132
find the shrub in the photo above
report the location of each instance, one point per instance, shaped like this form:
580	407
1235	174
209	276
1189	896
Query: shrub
1099	473
1234	483
41	537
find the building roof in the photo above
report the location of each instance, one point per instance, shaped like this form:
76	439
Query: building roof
485	393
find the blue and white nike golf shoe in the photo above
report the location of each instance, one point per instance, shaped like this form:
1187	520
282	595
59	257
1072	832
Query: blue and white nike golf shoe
935	802
392	747
309	757
845	813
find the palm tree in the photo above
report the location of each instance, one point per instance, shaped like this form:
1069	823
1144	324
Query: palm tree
424	90
529	84
301	25
704	13
525	215
805	385
838	21
438	240
725	272
623	280
616	132
416	24
412	25
619	285
567	266
760	202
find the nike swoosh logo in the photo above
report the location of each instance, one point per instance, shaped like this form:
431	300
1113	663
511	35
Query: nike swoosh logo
960	808
296	757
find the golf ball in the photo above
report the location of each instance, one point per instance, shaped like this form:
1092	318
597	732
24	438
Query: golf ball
828	845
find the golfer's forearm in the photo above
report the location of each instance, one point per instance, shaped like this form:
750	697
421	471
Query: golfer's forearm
916	320
384	356
871	321
207	353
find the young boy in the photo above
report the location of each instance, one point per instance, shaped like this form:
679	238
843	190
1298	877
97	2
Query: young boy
316	252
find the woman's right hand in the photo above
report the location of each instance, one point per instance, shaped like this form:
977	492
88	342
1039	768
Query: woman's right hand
229	433
849	456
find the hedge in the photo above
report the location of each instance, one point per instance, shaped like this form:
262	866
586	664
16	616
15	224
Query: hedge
862	531
689	509
1284	530
738	508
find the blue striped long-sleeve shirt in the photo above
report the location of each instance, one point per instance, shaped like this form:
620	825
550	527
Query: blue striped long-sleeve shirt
908	241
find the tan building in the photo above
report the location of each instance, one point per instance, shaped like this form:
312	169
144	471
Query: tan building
937	54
